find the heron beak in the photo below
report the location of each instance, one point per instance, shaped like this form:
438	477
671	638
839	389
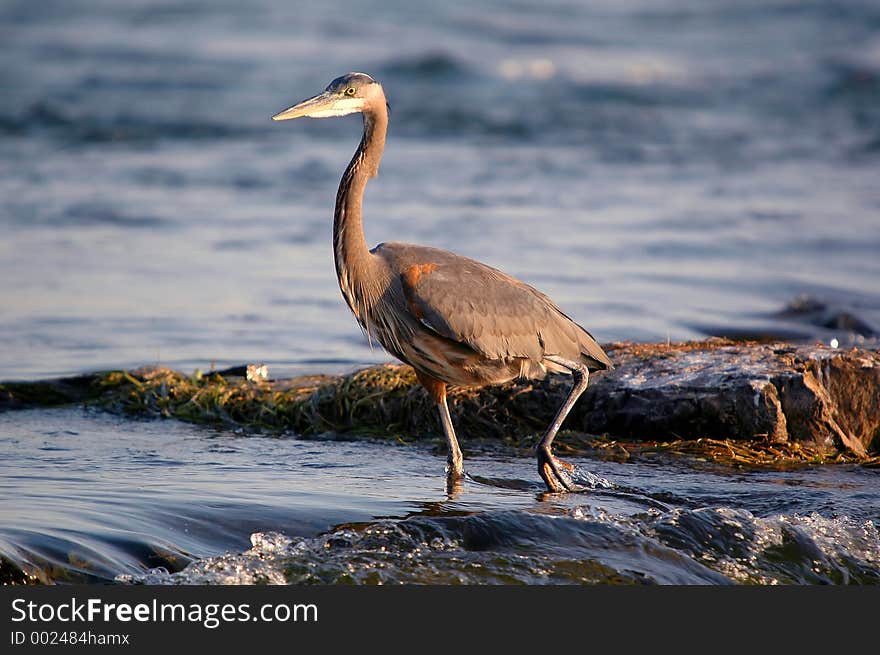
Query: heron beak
320	103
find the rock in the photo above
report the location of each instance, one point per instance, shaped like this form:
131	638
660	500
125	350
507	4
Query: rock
827	397
47	393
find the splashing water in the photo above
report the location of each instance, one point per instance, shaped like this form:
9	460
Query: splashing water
704	546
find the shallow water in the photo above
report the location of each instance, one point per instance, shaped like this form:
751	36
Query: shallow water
99	498
661	172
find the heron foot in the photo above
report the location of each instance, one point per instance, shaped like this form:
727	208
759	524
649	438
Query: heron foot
555	472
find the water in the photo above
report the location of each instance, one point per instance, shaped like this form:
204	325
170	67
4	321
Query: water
662	172
100	498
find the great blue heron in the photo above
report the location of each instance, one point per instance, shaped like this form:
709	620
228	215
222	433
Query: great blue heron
456	321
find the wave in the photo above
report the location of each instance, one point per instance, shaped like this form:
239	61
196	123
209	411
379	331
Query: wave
87	214
431	66
48	118
582	546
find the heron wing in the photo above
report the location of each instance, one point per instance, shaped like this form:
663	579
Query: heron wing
491	312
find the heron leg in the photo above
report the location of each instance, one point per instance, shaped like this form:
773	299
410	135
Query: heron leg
553	470
454	459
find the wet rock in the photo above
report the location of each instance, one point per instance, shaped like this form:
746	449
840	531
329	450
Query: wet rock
46	393
811	311
827	397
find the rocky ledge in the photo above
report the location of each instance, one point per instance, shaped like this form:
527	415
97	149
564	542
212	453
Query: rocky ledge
822	398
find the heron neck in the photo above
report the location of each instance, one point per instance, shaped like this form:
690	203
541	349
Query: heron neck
354	261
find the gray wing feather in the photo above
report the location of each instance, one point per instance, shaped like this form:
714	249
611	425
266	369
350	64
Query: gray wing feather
489	311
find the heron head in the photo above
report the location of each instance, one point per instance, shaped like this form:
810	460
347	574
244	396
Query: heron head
351	93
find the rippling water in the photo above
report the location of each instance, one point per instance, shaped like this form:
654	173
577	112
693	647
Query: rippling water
669	171
100	498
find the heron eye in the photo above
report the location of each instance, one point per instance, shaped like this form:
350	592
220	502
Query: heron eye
350	91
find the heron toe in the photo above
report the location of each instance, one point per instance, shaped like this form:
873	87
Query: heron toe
555	472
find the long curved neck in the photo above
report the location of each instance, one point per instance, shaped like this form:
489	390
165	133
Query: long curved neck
354	262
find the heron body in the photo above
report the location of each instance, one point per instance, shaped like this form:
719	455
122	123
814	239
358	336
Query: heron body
455	320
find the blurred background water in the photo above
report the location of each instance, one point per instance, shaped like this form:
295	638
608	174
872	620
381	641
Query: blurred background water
662	170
